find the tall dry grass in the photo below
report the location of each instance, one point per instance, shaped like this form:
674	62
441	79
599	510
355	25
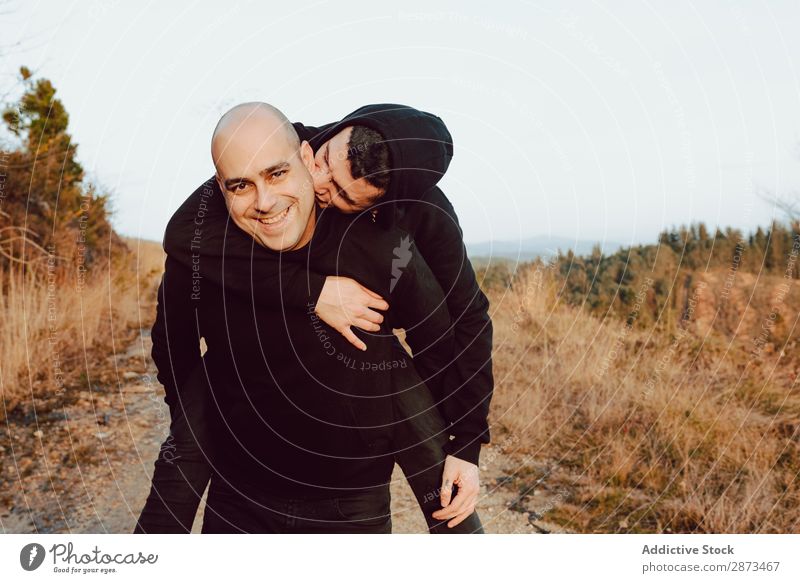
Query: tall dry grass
55	322
645	433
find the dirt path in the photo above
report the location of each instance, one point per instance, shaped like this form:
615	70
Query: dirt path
113	435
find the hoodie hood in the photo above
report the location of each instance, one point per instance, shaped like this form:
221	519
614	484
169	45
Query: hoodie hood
420	149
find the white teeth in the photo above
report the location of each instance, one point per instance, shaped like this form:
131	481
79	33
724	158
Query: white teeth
276	218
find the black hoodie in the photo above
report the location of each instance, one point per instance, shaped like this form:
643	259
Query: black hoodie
421	149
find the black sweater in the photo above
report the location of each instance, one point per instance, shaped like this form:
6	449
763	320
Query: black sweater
294	408
420	149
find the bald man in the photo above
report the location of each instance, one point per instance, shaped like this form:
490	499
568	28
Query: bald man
305	426
271	203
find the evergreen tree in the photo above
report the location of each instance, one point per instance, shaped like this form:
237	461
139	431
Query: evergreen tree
48	207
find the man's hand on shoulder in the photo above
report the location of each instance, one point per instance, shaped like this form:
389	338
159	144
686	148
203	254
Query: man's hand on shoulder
465	475
343	302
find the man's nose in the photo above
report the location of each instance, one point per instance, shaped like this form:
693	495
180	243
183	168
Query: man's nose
265	199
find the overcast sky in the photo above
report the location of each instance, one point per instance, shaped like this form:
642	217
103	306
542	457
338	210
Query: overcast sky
595	120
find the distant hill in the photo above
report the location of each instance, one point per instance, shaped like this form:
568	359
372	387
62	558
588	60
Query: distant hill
540	245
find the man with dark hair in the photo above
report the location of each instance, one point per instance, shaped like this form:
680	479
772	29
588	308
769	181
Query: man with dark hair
420	150
357	157
368	155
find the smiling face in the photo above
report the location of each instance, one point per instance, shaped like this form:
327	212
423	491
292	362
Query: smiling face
334	183
265	175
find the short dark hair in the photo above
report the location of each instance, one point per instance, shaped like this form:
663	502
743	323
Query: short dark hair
368	155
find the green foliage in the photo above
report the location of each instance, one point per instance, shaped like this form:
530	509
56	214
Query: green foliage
496	274
618	283
47	205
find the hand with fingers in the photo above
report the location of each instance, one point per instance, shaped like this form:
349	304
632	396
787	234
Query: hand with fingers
465	475
344	302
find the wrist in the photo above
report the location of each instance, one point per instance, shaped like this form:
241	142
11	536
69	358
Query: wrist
467	449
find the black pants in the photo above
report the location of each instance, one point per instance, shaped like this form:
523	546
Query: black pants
182	472
231	511
418	442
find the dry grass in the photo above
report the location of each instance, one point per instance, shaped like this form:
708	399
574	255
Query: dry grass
644	433
55	322
641	432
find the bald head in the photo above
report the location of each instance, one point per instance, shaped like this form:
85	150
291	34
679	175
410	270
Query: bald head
264	172
251	123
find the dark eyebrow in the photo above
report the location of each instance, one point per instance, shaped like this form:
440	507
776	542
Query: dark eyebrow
231	182
275	168
343	193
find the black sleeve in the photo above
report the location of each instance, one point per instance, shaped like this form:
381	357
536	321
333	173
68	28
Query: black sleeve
468	380
175	333
417	304
181	471
201	237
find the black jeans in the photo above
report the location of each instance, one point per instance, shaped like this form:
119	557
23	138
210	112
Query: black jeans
418	441
182	469
231	511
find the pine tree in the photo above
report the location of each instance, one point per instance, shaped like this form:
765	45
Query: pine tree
48	207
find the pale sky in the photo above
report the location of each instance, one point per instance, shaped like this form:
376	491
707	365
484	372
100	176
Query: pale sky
591	120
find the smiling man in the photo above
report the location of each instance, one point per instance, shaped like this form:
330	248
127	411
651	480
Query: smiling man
273	213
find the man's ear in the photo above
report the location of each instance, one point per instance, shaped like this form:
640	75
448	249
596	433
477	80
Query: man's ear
307	155
221	185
